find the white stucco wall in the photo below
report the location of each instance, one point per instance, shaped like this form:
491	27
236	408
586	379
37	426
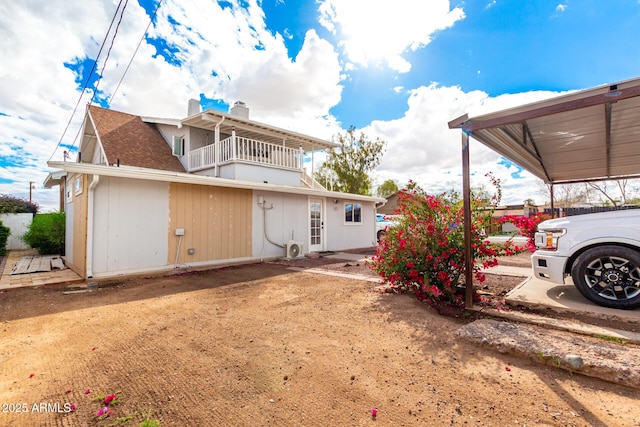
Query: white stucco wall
289	220
257	173
130	226
286	221
19	224
341	235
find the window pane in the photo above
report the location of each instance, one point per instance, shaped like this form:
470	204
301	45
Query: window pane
178	145
357	212
348	212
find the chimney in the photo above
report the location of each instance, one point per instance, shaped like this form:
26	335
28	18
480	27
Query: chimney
240	109
193	107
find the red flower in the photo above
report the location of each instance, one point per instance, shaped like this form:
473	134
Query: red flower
109	398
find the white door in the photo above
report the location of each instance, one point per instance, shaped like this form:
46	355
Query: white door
316	226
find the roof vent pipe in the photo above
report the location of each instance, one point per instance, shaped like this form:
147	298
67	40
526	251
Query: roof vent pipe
193	107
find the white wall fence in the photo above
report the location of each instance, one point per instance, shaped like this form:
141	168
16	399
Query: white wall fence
18	224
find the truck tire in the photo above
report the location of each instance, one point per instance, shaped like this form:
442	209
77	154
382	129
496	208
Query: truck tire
609	276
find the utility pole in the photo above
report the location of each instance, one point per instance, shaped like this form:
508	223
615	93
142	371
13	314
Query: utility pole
31	191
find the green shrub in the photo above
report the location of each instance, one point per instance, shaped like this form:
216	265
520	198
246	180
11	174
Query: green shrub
423	253
4	235
46	233
11	204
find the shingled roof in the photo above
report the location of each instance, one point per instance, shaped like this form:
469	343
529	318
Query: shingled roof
127	138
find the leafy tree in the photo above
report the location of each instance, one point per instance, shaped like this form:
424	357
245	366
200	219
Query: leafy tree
11	204
349	165
387	188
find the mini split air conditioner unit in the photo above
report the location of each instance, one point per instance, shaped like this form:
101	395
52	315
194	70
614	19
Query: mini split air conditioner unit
294	250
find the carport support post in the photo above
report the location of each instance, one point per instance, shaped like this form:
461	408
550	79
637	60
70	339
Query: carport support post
552	203
466	198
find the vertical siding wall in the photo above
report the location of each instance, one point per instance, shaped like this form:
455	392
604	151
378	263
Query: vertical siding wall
129	228
19	224
216	222
78	204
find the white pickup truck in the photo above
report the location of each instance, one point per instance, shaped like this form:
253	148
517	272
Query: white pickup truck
600	251
382	222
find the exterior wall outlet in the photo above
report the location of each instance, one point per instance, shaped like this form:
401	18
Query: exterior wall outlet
191	251
179	231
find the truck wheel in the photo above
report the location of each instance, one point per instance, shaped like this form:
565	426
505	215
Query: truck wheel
609	276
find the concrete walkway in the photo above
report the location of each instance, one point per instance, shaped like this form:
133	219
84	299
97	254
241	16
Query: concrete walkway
9	281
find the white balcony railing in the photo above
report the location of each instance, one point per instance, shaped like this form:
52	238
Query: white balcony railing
234	149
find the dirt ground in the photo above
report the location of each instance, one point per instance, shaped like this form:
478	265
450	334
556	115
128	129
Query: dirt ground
262	345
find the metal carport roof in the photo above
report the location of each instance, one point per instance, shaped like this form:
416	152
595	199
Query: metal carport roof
590	135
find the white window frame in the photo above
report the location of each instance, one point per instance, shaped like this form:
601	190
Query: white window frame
178	142
78	185
354	206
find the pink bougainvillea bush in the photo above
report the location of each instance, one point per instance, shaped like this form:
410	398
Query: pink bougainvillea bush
528	225
424	252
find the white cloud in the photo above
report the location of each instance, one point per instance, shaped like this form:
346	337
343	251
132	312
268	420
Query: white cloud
225	53
375	32
235	59
421	147
38	92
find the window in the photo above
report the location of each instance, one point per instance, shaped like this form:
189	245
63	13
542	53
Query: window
353	213
78	185
178	145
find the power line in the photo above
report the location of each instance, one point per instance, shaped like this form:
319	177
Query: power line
136	51
128	65
113	39
86	83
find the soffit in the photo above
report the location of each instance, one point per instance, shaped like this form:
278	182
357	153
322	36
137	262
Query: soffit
256	130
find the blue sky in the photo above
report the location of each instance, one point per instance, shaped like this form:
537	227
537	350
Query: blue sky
395	70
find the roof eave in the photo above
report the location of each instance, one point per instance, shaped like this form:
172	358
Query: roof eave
214	117
187	178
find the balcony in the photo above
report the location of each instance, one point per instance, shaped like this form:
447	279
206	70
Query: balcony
235	149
